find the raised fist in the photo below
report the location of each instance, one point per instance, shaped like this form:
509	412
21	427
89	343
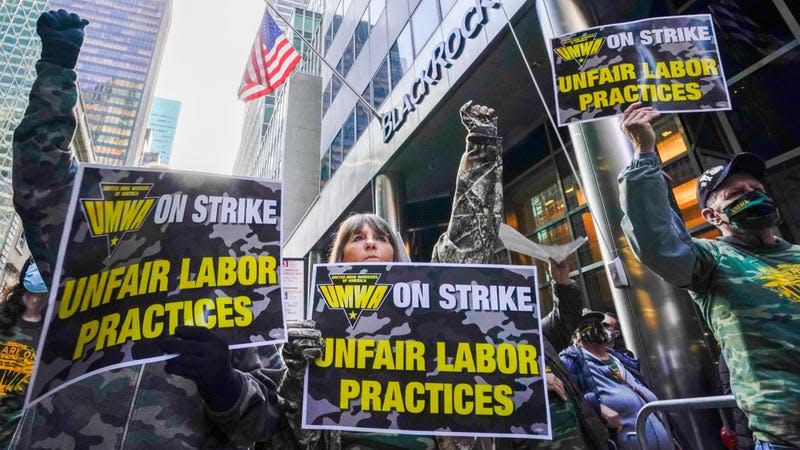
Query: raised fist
478	119
62	36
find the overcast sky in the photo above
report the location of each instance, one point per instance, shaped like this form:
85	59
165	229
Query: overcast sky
207	48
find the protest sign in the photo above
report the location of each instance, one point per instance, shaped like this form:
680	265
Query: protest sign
428	349
671	63
144	251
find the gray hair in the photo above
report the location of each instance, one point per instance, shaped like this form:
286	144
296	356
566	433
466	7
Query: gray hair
353	225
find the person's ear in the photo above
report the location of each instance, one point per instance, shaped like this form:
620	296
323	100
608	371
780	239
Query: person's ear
712	217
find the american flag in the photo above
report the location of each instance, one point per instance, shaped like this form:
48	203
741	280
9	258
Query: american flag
270	63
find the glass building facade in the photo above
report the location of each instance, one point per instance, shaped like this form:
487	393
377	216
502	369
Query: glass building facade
117	70
384	47
20	50
163	121
262	141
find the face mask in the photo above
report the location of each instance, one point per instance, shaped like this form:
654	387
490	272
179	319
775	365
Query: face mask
753	211
594	333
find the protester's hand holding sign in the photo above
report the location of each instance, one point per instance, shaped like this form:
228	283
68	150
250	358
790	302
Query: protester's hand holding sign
636	124
205	359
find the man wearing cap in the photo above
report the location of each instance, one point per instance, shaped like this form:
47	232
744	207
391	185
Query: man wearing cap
611	382
745	282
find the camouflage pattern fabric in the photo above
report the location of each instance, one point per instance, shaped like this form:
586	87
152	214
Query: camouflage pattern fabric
135	407
17	353
749	295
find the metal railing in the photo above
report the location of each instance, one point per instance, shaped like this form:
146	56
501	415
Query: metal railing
639	438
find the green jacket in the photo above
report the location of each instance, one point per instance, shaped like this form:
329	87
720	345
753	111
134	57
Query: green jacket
134	407
748	293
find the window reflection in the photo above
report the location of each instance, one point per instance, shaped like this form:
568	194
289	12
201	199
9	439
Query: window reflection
582	225
424	20
670	139
401	55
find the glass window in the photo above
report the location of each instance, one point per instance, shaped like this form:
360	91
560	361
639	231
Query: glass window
337	19
380	84
336	83
670	139
375	9
401	55
424	21
326	97
768	125
686	198
572	192
336	153
598	290
362	33
445	6
325	168
349	133
537	201
583	225
362	117
347	57
328	38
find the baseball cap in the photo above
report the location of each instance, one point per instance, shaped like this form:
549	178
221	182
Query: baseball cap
32	280
591	316
712	178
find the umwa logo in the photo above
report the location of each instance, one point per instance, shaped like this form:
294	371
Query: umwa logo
579	48
354	293
123	208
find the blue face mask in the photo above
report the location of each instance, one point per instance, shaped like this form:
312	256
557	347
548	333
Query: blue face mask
753	211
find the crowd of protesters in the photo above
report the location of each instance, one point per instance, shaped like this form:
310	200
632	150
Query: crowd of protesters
212	397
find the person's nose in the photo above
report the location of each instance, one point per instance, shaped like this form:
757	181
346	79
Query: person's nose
370	242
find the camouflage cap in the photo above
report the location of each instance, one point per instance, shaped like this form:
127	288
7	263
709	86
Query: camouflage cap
712	178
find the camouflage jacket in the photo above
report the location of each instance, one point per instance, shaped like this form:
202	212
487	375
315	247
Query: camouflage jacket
134	407
748	293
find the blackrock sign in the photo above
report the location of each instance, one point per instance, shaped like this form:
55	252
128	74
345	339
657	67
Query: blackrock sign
442	55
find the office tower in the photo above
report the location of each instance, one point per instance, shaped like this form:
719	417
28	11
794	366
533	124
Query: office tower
117	70
163	121
20	50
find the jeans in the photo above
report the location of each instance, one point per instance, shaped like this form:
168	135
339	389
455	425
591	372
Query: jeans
761	445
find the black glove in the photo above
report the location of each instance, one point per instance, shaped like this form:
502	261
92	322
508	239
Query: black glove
205	359
479	119
304	344
62	36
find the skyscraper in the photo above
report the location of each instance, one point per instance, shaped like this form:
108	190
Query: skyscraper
20	50
117	70
163	121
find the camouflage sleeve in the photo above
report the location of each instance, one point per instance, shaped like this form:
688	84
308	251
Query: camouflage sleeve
471	235
562	321
43	167
255	413
654	230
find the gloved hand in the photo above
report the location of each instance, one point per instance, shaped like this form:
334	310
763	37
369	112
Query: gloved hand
205	359
478	119
305	344
62	36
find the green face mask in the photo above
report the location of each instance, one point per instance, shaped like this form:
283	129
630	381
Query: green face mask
753	211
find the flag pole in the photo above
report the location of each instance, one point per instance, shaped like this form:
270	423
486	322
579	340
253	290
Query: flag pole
321	58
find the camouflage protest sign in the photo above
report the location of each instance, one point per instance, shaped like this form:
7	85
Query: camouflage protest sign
144	251
427	349
671	63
